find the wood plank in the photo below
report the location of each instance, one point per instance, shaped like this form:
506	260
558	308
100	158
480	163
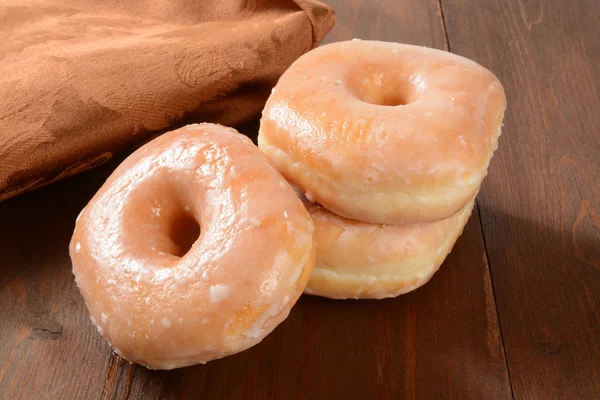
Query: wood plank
48	346
441	341
540	204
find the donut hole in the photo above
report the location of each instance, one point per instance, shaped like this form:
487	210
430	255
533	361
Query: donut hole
393	101
382	88
159	219
183	231
385	99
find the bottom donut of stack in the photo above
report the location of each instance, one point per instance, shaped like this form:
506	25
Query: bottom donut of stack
361	260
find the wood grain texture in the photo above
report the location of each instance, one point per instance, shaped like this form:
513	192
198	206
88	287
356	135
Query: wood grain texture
48	346
540	204
441	341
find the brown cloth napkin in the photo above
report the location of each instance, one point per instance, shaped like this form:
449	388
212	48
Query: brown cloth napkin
83	79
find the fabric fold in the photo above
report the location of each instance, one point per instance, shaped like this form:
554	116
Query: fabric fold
81	80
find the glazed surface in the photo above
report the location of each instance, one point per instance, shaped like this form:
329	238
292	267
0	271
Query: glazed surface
361	260
164	306
384	132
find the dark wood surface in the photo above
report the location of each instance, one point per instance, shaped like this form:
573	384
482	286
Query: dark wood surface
513	312
540	204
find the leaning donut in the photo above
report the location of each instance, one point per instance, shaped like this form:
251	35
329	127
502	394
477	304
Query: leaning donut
384	132
160	296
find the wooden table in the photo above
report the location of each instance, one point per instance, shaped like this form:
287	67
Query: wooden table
513	312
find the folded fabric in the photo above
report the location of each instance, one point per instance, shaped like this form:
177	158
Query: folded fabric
83	79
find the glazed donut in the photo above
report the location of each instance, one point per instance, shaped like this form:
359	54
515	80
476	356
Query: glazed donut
164	306
370	261
384	132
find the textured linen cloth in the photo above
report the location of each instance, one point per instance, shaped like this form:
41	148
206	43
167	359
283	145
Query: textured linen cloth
83	79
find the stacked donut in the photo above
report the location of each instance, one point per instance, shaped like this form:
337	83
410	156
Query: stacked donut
389	143
196	247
